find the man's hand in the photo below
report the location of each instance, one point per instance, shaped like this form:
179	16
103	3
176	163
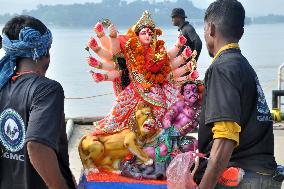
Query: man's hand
220	155
45	162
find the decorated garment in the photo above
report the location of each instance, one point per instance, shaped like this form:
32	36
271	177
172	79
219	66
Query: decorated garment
159	96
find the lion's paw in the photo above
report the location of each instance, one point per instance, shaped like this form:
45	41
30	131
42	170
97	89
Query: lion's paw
149	162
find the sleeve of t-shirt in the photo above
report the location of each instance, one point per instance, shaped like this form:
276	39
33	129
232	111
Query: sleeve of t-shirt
46	114
223	101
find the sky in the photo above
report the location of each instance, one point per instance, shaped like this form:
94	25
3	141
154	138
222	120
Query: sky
253	7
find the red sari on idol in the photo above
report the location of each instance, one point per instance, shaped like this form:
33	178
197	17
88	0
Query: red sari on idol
159	97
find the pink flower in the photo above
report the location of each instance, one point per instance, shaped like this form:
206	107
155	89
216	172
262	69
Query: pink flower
93	43
163	149
99	27
98	77
182	39
150	151
187	52
194	75
92	61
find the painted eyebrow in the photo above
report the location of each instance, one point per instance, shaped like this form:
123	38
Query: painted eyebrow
146	31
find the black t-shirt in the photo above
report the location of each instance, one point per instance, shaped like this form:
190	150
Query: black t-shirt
31	109
233	93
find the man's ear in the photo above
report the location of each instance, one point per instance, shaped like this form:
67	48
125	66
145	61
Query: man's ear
241	32
212	29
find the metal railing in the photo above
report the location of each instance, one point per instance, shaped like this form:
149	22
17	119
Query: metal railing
280	80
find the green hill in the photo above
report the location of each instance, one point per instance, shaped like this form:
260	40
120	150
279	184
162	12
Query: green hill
118	11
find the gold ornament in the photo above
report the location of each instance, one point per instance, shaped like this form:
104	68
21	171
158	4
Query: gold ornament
145	20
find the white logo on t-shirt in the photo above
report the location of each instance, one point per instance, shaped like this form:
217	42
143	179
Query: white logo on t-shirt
12	130
261	104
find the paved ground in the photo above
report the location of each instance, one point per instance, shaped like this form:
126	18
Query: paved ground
75	162
79	131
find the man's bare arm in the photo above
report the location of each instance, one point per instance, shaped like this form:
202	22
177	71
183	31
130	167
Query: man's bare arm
45	162
220	155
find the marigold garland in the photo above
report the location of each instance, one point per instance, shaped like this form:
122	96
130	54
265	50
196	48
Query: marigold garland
136	58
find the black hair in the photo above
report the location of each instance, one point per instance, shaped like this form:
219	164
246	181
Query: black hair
228	17
125	80
186	83
142	27
13	27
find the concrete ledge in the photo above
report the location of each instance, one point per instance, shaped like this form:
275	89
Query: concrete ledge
85	120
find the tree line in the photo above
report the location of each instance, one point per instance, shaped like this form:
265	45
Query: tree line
122	13
119	12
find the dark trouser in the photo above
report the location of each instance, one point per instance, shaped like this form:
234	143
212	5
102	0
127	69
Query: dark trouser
255	181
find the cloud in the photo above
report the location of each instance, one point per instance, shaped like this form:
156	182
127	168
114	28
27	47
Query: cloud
252	7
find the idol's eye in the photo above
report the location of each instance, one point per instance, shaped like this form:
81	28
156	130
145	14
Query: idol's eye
144	33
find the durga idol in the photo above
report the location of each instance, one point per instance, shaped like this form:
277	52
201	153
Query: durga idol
145	88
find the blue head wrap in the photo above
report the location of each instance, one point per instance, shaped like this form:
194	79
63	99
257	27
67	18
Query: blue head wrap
31	44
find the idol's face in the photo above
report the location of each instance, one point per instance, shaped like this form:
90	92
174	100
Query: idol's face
190	93
145	36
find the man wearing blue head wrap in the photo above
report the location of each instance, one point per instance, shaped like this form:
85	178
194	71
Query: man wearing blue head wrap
1	50
33	140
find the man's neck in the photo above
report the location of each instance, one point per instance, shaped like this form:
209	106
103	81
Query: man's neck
221	43
27	65
181	24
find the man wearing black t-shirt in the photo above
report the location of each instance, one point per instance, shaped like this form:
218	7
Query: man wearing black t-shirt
235	123
33	142
187	30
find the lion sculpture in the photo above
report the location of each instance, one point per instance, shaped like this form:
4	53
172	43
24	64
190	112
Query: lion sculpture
107	151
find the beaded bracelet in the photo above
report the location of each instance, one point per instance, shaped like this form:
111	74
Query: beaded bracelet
113	36
177	46
186	68
184	57
100	35
100	65
97	49
171	76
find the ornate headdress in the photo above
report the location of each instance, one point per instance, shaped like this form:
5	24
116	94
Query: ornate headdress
145	20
